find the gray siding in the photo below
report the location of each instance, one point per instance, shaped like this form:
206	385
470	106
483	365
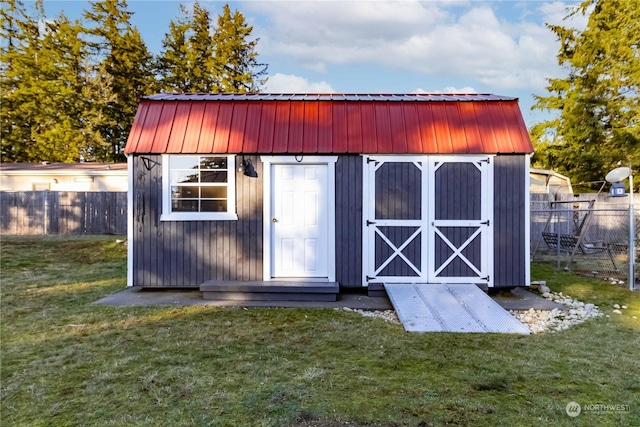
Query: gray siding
349	221
186	253
509	220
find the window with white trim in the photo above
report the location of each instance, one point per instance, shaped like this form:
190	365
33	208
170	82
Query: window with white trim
196	187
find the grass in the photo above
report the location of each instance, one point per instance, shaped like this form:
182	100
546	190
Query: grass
67	362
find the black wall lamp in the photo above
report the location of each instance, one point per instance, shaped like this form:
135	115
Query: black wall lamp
246	167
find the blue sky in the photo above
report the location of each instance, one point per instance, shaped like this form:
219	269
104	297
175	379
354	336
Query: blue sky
381	46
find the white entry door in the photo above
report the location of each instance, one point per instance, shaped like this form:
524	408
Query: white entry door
299	221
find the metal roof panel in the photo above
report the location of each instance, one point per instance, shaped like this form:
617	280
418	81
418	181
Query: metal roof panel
325	140
222	129
252	127
368	130
179	128
311	123
194	127
296	128
207	133
329	123
281	132
267	125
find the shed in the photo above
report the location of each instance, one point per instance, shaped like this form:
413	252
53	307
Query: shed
353	189
86	176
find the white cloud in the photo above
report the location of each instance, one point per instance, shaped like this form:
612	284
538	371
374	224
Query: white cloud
287	83
432	38
555	12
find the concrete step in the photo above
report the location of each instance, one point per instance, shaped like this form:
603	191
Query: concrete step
376	290
269	290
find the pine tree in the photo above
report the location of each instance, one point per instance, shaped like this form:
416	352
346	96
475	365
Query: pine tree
235	58
21	38
58	129
599	109
172	63
200	53
127	62
194	60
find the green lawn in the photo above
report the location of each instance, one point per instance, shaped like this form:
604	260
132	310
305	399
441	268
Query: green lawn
67	362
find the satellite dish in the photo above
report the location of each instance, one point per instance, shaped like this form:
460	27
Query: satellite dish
618	174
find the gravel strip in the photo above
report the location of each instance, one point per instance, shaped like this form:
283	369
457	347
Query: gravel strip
388	315
537	321
575	312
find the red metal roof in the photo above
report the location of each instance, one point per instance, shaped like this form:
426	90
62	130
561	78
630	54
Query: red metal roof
329	123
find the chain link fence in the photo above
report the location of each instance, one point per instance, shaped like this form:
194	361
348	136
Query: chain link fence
585	237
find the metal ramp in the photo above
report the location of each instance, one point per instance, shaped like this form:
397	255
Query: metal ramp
450	308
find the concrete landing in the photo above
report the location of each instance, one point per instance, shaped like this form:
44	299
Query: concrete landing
450	308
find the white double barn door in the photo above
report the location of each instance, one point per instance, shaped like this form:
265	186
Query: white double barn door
428	219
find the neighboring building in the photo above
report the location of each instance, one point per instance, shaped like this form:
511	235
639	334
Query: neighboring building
63	176
354	189
550	182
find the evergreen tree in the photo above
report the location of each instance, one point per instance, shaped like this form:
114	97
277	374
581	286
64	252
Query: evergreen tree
599	110
200	53
235	57
172	63
20	44
194	60
58	130
127	62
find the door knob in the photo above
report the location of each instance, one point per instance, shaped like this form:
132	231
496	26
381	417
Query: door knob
274	220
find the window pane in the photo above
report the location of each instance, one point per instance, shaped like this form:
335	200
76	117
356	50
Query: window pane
214	192
178	177
213	176
185	192
184	205
213	206
184	162
213	163
200	183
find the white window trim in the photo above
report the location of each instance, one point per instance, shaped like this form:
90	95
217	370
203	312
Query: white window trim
229	215
330	161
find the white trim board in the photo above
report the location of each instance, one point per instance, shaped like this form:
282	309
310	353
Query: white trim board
268	161
527	219
130	204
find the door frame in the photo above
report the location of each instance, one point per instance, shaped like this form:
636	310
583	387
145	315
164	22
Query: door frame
330	162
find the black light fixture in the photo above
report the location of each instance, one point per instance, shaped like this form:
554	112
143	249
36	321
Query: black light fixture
246	167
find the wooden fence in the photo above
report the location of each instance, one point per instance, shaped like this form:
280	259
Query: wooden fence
62	212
